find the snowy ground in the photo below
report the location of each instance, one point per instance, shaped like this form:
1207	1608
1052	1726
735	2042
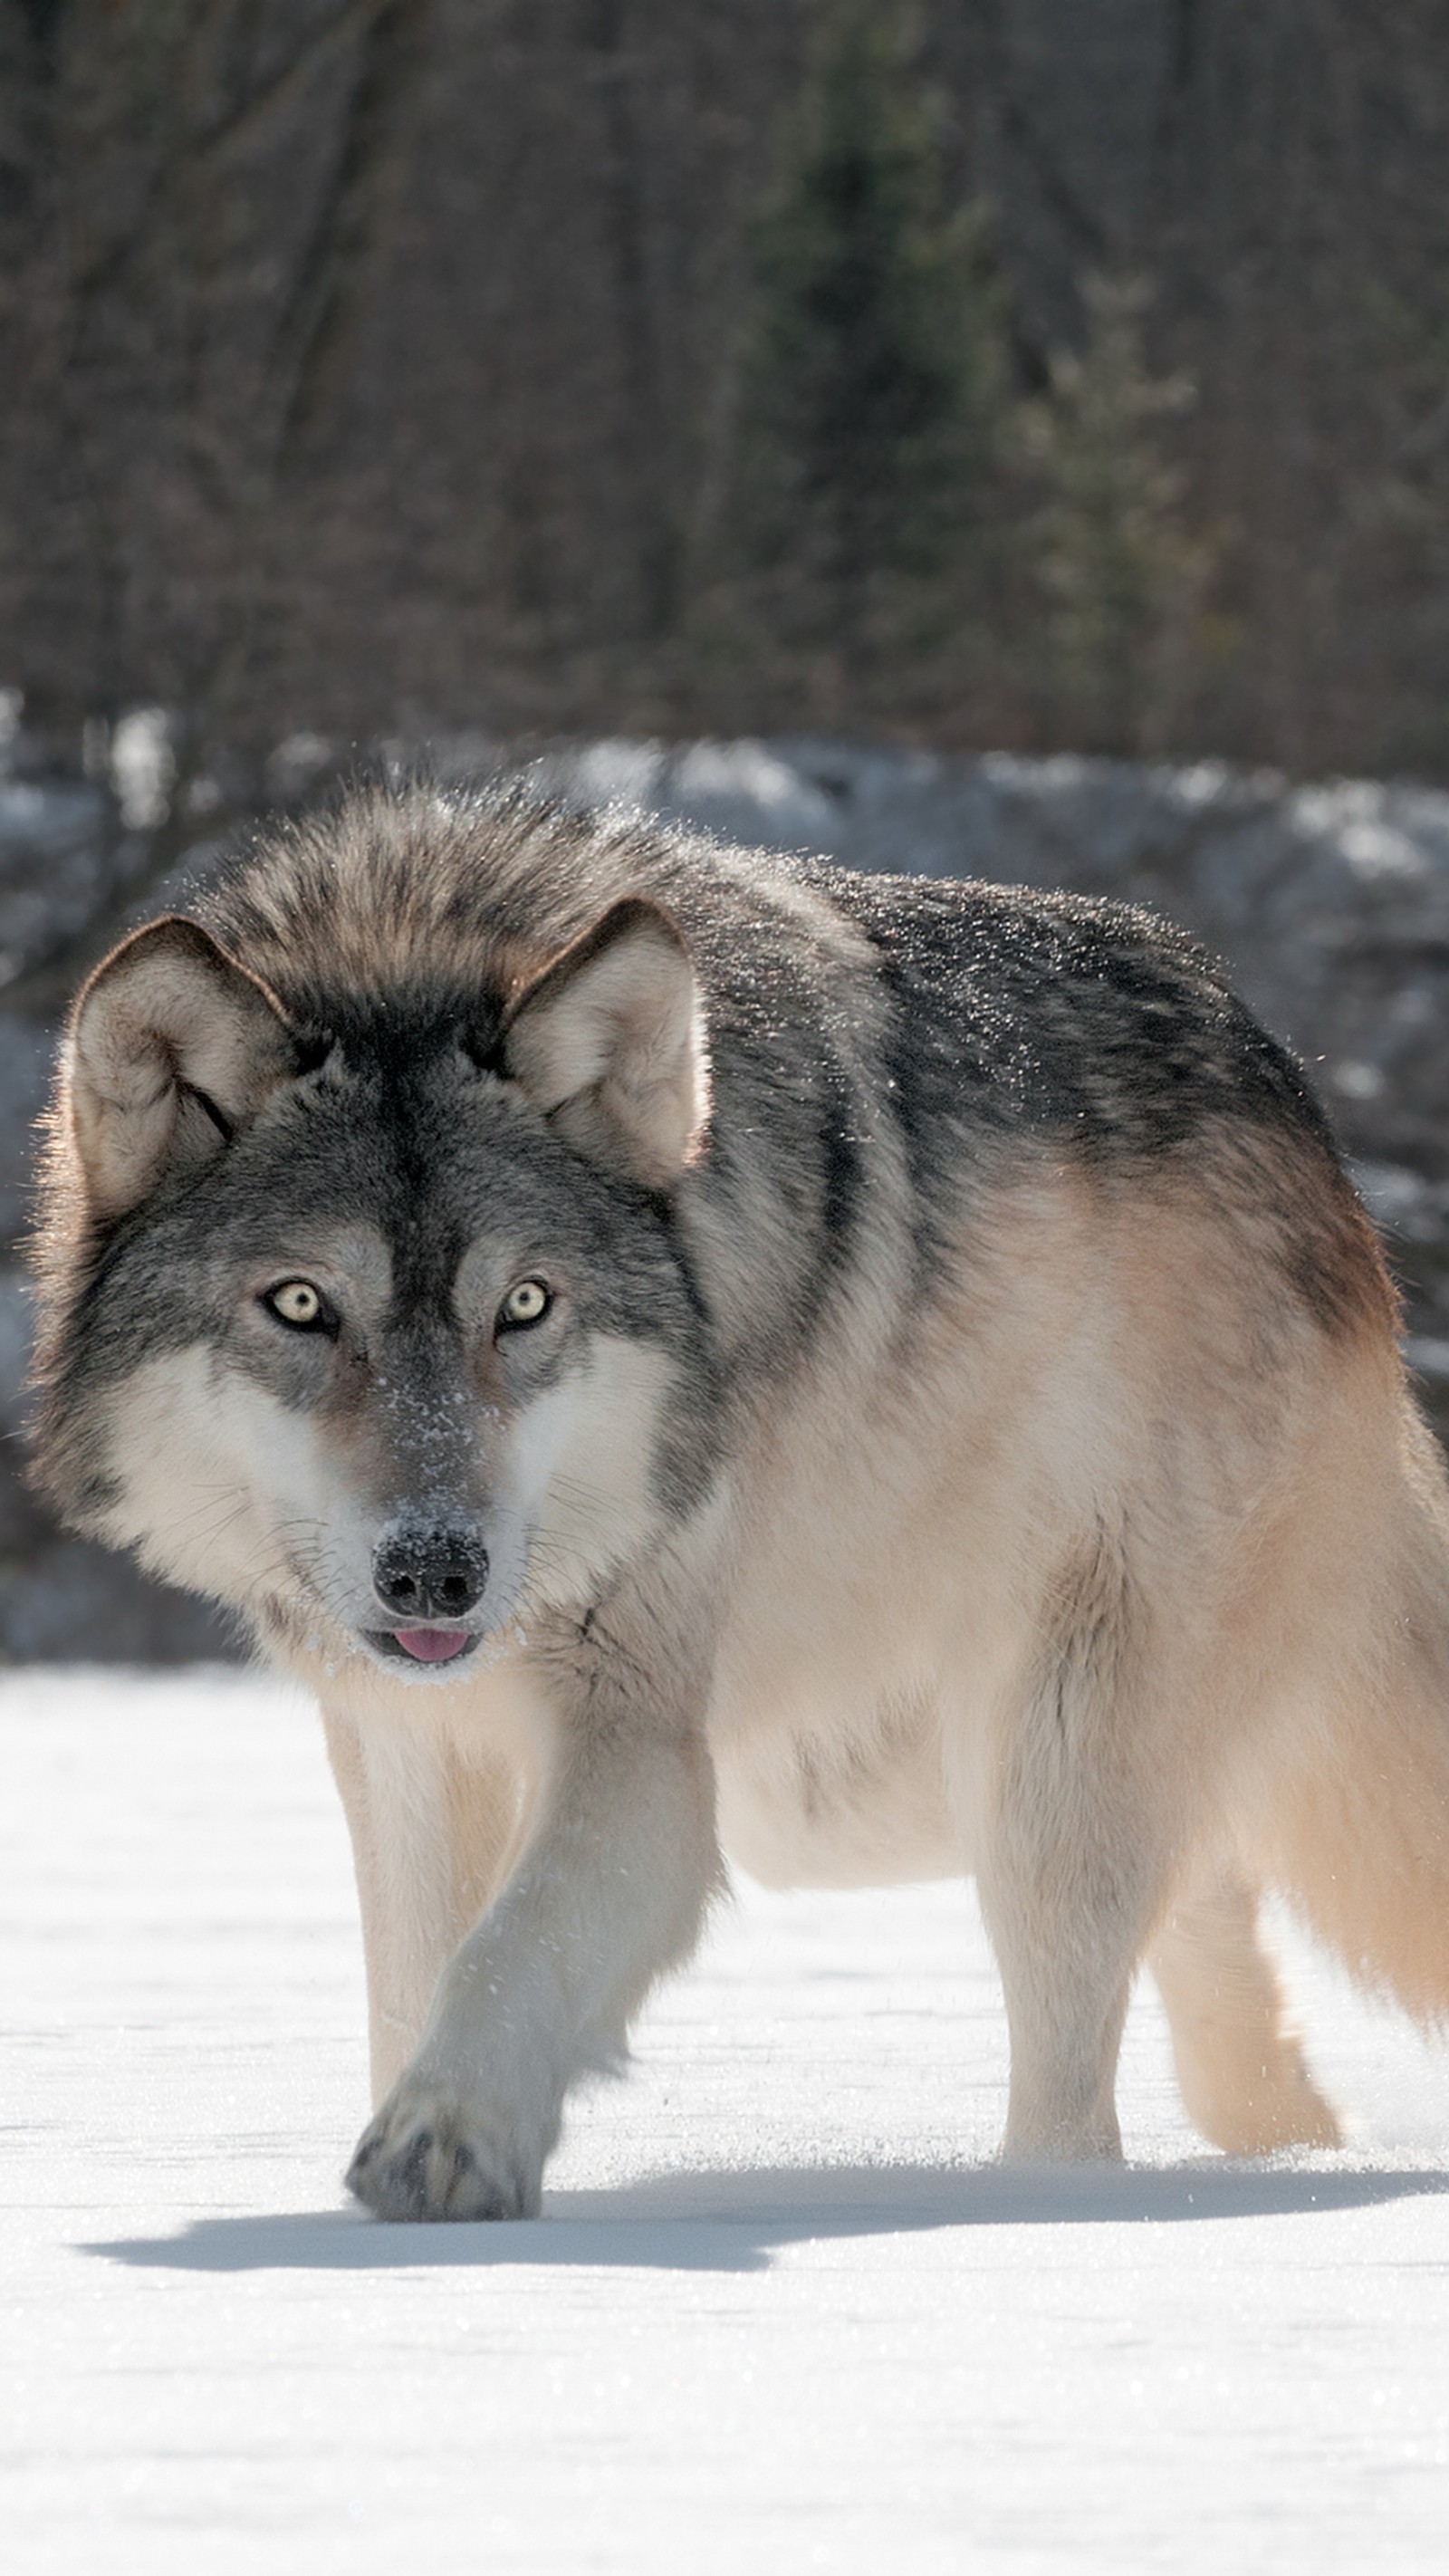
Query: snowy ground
778	2315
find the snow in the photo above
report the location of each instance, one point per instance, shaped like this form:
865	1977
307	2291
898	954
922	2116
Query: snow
779	2313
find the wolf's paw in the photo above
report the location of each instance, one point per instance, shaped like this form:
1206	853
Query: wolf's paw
1278	2106
430	2154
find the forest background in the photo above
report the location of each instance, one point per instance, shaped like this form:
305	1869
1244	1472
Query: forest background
1008	373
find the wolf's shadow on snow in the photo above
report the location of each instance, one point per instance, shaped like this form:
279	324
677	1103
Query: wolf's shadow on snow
736	2222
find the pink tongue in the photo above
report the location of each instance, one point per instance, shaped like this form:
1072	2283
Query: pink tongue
431	1645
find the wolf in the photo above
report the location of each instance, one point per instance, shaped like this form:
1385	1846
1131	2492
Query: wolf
692	1353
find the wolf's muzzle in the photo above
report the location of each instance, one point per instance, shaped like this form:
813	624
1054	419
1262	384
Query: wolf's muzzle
421	1574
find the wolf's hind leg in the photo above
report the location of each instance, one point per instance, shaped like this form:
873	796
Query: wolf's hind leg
1241	2069
1071	1871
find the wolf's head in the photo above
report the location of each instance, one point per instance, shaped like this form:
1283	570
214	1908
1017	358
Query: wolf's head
378	1330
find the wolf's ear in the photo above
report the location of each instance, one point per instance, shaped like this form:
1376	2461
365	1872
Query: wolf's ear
172	1046
609	1044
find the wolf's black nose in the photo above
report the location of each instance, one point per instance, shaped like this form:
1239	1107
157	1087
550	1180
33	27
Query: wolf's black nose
429	1573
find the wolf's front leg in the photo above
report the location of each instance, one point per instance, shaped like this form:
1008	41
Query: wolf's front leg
611	1892
433	1826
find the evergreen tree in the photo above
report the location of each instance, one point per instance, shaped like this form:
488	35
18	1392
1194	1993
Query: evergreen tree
877	373
1121	577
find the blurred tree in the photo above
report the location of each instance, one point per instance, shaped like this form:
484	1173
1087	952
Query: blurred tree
1122	578
184	329
876	379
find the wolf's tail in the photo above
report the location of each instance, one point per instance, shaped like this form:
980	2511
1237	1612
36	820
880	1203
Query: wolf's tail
1359	1832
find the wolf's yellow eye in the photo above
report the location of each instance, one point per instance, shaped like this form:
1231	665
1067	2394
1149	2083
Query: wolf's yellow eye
297	1302
528	1303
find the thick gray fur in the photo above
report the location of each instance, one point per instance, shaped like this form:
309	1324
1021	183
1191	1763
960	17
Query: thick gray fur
956	1300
